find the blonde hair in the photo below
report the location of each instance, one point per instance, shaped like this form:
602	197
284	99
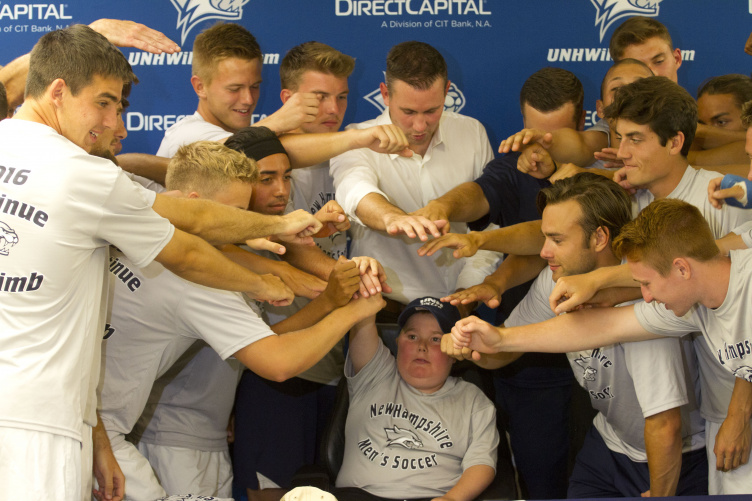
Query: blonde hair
220	42
665	230
313	56
208	167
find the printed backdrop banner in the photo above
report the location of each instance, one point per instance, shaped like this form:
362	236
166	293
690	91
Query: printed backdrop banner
491	46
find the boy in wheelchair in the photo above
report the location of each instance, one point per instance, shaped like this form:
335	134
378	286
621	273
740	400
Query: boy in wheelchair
412	431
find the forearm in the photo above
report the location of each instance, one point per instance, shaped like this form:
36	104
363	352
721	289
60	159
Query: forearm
579	330
195	260
214	222
148	166
310	149
515	270
464	203
613	276
740	406
523	239
373	209
708	137
287	355
311	313
571	146
310	259
732	153
99	437
252	261
493	361
473	481
663	445
13	76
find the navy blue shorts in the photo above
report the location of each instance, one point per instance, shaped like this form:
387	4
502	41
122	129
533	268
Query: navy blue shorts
278	428
600	472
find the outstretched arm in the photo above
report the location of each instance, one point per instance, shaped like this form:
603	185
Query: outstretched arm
463	203
222	224
364	342
195	260
378	213
513	271
579	330
522	239
281	357
148	166
310	149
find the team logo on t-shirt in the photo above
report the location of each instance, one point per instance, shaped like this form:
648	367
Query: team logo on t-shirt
610	11
402	437
193	12
744	372
588	373
8	238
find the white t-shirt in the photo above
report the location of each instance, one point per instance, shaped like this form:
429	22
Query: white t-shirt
60	209
726	328
156	317
190	405
627	382
190	129
458	152
717	384
693	189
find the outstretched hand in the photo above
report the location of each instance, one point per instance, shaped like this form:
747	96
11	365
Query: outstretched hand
129	34
464	245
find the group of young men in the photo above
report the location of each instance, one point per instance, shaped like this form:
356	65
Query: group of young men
125	361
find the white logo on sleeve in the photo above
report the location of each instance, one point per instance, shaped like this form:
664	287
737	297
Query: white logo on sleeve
610	11
193	12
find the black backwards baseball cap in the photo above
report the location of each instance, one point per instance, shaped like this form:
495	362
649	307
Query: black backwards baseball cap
256	142
446	314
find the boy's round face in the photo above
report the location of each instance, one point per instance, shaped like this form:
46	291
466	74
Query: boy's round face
420	360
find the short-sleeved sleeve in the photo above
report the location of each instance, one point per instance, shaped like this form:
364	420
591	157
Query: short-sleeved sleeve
128	221
239	326
655	318
484	436
657	370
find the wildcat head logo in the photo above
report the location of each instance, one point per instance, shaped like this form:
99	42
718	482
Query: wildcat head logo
744	372
8	238
610	11
454	101
588	373
193	12
402	437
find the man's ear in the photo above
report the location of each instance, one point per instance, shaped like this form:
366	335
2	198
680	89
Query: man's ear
682	267
193	194
198	86
677	57
581	121
446	89
56	90
599	108
384	93
676	143
602	240
285	94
